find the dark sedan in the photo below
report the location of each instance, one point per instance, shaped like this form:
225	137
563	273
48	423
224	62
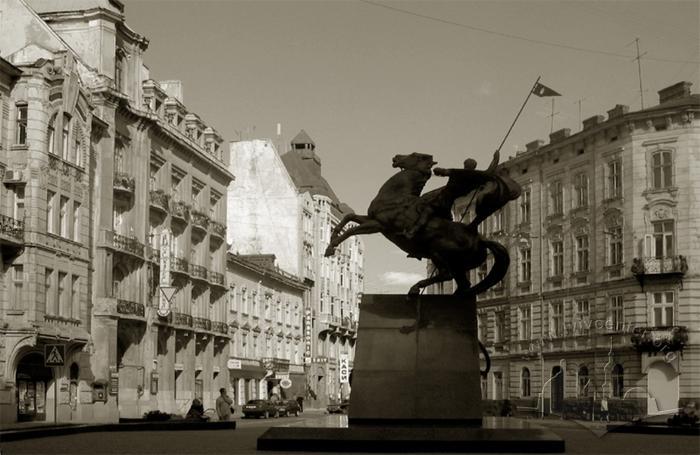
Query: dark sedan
259	408
338	408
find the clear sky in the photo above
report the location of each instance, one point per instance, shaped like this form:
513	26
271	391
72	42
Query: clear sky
370	79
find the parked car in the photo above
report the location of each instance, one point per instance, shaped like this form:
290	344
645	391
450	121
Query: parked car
260	408
280	408
289	407
338	407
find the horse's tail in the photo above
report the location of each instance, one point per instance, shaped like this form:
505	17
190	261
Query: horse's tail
498	271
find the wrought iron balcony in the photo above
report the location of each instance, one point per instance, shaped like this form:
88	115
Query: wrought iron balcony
126	244
660	265
275	364
660	339
202	323
11	229
179	265
180	210
130	308
219	327
217	229
159	200
124	183
182	319
199	220
216	278
152	254
198	272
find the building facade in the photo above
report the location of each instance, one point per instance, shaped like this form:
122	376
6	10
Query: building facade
602	294
266	316
124	194
282	204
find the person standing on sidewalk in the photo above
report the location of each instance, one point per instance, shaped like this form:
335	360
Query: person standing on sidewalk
604	413
224	405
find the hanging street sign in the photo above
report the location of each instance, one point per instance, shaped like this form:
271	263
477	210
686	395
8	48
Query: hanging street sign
166	300
54	355
344	368
167	291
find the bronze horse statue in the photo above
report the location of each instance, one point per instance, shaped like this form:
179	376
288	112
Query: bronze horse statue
422	225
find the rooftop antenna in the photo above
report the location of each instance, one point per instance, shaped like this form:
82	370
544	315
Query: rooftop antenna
638	58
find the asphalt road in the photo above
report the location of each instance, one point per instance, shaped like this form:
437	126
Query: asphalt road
579	439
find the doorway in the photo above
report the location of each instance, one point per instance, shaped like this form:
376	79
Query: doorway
663	386
32	380
557	394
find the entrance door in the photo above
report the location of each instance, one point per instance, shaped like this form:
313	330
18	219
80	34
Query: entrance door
497	385
32	380
557	385
663	387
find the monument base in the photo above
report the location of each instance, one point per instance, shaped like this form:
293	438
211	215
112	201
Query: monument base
517	437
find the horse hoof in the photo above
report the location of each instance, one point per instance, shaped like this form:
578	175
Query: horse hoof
329	252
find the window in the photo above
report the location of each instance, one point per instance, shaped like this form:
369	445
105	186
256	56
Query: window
63	308
616	313
63	216
525	383
557	258
51	135
119	71
50	294
76	221
618	380
78	152
18	212
499	332
661	170
582	253
582	322
556	198
524	322
556	319
581	190
614	179
662	309
21	138
525	206
17	284
583	382
662	243
482	327
75	297
232	299
498	221
615	246
244	300
65	151
50	196
525	265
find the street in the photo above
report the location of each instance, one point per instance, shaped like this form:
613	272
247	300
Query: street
580	438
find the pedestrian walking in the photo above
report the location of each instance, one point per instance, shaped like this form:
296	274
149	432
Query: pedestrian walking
300	400
224	405
604	413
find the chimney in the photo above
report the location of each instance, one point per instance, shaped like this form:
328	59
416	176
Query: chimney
534	145
618	111
559	135
676	91
590	122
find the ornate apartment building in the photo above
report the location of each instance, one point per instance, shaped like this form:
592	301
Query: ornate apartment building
283	205
124	194
266	315
603	290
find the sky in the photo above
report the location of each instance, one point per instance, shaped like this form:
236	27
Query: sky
368	79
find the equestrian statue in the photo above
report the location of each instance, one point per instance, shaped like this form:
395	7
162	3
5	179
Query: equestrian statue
422	225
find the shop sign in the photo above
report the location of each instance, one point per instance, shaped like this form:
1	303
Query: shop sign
344	369
234	364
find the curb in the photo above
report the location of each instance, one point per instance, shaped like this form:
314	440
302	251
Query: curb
17	435
655	429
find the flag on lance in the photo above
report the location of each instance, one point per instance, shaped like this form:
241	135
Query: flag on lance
542	90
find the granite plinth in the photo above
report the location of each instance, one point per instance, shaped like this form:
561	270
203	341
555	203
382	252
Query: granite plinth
416	362
504	438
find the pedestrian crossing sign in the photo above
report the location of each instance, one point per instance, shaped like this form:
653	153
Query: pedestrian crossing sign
54	355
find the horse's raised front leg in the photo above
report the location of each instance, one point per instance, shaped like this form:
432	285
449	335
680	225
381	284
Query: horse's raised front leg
368	227
442	275
349	218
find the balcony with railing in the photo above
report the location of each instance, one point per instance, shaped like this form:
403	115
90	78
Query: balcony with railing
198	272
660	340
152	254
201	324
660	265
200	221
159	201
217	229
179	265
124	183
124	244
129	308
180	211
216	278
219	327
11	232
275	364
182	319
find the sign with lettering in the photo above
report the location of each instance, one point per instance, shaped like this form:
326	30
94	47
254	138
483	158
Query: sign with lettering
166	290
344	369
234	364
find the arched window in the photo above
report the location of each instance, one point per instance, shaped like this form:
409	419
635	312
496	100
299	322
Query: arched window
618	380
51	135
65	150
661	169
525	383
583	382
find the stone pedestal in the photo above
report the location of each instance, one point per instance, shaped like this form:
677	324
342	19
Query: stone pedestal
416	362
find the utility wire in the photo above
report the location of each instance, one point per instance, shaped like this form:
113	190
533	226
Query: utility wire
517	37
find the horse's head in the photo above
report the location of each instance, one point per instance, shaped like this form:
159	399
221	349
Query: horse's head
415	162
